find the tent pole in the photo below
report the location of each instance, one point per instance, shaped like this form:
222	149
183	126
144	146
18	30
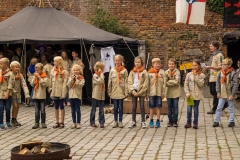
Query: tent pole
86	54
128	47
81	49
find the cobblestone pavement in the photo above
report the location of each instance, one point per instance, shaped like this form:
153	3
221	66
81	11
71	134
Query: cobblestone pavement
150	144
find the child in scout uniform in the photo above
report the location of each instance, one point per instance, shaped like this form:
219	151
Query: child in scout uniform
39	83
6	85
16	92
155	90
193	88
117	88
58	89
226	87
137	87
98	95
47	69
76	60
173	92
75	83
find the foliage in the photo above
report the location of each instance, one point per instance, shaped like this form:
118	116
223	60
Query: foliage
216	6
108	22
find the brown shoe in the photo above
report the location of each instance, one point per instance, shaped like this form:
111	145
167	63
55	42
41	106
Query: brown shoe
56	125
61	125
93	125
101	125
211	112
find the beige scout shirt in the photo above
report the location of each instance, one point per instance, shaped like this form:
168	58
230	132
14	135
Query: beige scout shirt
225	88
98	84
77	61
40	93
7	84
157	89
173	89
75	92
17	88
193	85
58	87
118	90
142	85
216	62
47	69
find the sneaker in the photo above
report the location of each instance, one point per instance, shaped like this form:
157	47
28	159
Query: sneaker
157	125
18	124
44	125
115	125
175	124
94	125
188	125
211	112
79	126
133	124
36	125
120	125
101	125
73	126
14	123
216	124
9	125
231	124
169	124
195	125
2	127
143	124
151	124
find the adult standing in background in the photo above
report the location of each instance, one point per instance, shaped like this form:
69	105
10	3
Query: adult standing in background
7	53
215	63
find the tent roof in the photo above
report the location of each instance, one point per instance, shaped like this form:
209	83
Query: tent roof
49	25
231	37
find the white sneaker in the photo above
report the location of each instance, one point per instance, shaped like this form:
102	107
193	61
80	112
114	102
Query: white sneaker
115	125
120	125
133	124
73	126
143	125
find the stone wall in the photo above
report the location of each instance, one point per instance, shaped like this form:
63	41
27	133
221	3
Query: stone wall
152	20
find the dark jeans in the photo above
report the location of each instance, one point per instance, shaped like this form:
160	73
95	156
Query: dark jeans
172	104
118	109
48	98
40	109
212	86
196	112
100	104
58	103
134	108
75	107
5	103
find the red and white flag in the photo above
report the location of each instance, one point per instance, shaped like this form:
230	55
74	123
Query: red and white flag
190	11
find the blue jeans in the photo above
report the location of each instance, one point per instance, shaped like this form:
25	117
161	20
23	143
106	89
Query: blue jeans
155	101
40	108
218	112
172	104
67	97
5	103
196	112
100	104
75	107
118	109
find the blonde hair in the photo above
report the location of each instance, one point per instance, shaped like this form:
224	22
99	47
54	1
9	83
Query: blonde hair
120	57
79	67
139	57
14	63
39	66
33	61
5	60
98	65
228	61
60	61
156	60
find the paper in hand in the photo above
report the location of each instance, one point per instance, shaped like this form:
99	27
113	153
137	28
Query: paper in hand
203	65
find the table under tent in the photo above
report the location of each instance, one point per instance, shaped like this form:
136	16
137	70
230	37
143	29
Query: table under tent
34	25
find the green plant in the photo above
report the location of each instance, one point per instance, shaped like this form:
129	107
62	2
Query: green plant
216	6
106	21
219	147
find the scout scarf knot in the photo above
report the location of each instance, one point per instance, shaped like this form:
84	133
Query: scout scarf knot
171	73
138	71
224	78
152	70
197	72
43	75
58	70
77	77
119	70
103	85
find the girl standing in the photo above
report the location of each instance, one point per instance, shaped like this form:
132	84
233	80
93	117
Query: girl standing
117	88
58	89
75	83
98	95
137	87
193	88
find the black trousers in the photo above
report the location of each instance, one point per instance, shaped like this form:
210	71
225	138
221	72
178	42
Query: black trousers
213	92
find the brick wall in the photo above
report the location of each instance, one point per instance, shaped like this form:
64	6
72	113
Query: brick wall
153	21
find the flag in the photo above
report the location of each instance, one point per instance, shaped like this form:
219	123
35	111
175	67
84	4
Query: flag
231	14
190	11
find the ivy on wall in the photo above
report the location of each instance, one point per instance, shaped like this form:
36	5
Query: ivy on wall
216	6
